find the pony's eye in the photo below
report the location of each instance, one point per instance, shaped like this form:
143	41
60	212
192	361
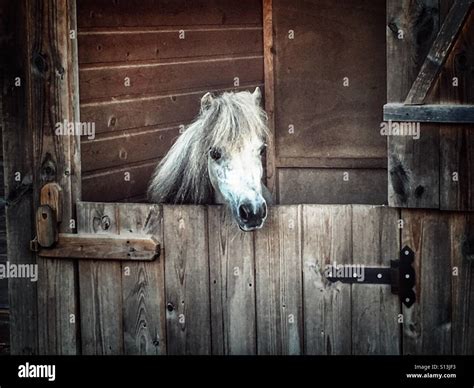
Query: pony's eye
262	149
215	154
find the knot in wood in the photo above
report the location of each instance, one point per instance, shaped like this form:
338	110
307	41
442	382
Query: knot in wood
40	63
105	222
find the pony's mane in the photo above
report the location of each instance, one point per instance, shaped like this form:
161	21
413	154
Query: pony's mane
228	121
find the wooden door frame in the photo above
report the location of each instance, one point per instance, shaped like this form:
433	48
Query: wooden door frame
43	313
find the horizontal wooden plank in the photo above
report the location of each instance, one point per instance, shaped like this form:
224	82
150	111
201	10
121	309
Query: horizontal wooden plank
94	247
132	13
165	78
126	46
112	185
429	113
120	114
331	162
328	186
119	148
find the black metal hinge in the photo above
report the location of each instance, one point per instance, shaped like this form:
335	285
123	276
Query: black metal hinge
400	276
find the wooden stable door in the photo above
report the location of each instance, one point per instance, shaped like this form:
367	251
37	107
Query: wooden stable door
217	290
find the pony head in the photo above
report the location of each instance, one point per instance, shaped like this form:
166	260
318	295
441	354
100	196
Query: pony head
218	159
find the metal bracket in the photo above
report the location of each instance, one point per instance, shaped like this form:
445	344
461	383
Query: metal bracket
400	276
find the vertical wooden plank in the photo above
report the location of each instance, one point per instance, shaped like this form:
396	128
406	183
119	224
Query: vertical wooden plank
327	306
188	328
269	79
427	324
100	285
53	98
18	152
232	279
462	261
143	284
457	141
279	289
413	164
376	241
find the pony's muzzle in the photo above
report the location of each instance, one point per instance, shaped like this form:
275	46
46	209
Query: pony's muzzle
252	216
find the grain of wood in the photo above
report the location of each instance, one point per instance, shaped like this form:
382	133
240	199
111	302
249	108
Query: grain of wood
92	247
327	306
457	141
143	284
269	79
109	82
278	271
375	310
427	327
462	254
155	45
149	13
232	279
439	51
100	285
52	94
188	326
413	164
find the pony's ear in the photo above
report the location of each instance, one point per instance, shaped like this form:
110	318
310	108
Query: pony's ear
206	101
257	95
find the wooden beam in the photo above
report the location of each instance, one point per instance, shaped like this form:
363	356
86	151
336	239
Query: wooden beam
52	98
18	153
268	51
429	113
94	247
439	52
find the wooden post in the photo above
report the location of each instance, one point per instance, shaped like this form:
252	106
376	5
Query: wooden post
269	94
413	164
18	152
53	98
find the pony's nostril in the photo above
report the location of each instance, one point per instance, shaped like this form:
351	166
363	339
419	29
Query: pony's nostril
244	212
264	210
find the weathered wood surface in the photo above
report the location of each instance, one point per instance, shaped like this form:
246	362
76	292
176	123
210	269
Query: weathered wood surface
413	164
143	285
128	293
327	306
429	113
217	290
188	317
100	285
122	46
51	87
375	241
435	170
232	276
279	283
457	141
269	79
18	194
439	51
89	246
428	323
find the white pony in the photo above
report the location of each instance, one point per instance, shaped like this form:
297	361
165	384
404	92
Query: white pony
217	159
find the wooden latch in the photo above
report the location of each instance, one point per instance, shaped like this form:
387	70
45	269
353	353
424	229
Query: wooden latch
52	244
